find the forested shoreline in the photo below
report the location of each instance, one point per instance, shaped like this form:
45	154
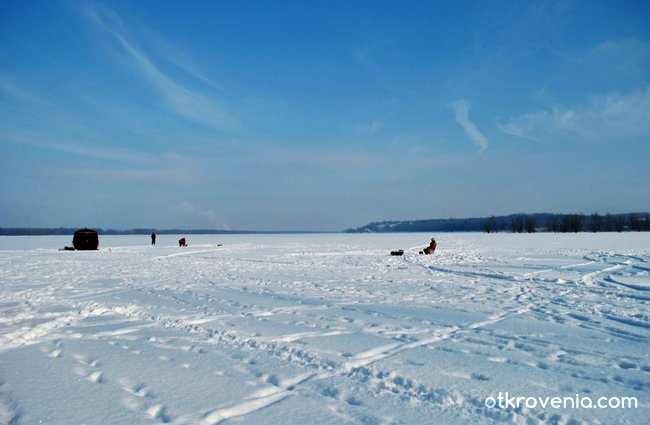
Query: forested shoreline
518	223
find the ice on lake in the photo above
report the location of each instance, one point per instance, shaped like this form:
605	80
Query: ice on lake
326	329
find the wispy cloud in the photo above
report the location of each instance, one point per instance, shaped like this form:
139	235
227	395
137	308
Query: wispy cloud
369	128
115	163
611	115
524	126
179	59
626	56
461	107
17	92
180	99
81	148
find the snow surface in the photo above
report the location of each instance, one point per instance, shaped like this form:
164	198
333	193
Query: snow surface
323	329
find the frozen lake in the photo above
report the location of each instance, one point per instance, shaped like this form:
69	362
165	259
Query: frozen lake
327	329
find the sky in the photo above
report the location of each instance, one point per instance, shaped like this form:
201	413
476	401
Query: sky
302	115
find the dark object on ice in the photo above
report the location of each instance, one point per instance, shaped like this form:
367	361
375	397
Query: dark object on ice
66	248
400	252
182	242
85	239
431	248
153	238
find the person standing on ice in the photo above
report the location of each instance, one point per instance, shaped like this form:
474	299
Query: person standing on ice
431	248
153	238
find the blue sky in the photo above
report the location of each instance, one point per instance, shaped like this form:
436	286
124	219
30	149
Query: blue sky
319	115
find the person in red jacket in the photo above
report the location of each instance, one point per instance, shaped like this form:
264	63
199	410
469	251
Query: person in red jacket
431	248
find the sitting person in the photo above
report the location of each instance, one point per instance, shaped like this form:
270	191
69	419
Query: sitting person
431	248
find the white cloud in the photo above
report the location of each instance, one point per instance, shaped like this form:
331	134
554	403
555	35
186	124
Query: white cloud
612	115
626	56
178	58
14	90
369	128
77	147
115	163
180	99
461	107
525	125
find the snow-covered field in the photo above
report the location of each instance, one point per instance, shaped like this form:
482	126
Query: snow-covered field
325	329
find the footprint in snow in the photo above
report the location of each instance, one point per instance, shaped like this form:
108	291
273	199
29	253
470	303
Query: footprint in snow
96	377
55	354
625	364
273	380
479	377
329	391
159	412
353	401
81	359
139	390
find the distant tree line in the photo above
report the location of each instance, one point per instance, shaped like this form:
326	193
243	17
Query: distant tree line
517	223
572	223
